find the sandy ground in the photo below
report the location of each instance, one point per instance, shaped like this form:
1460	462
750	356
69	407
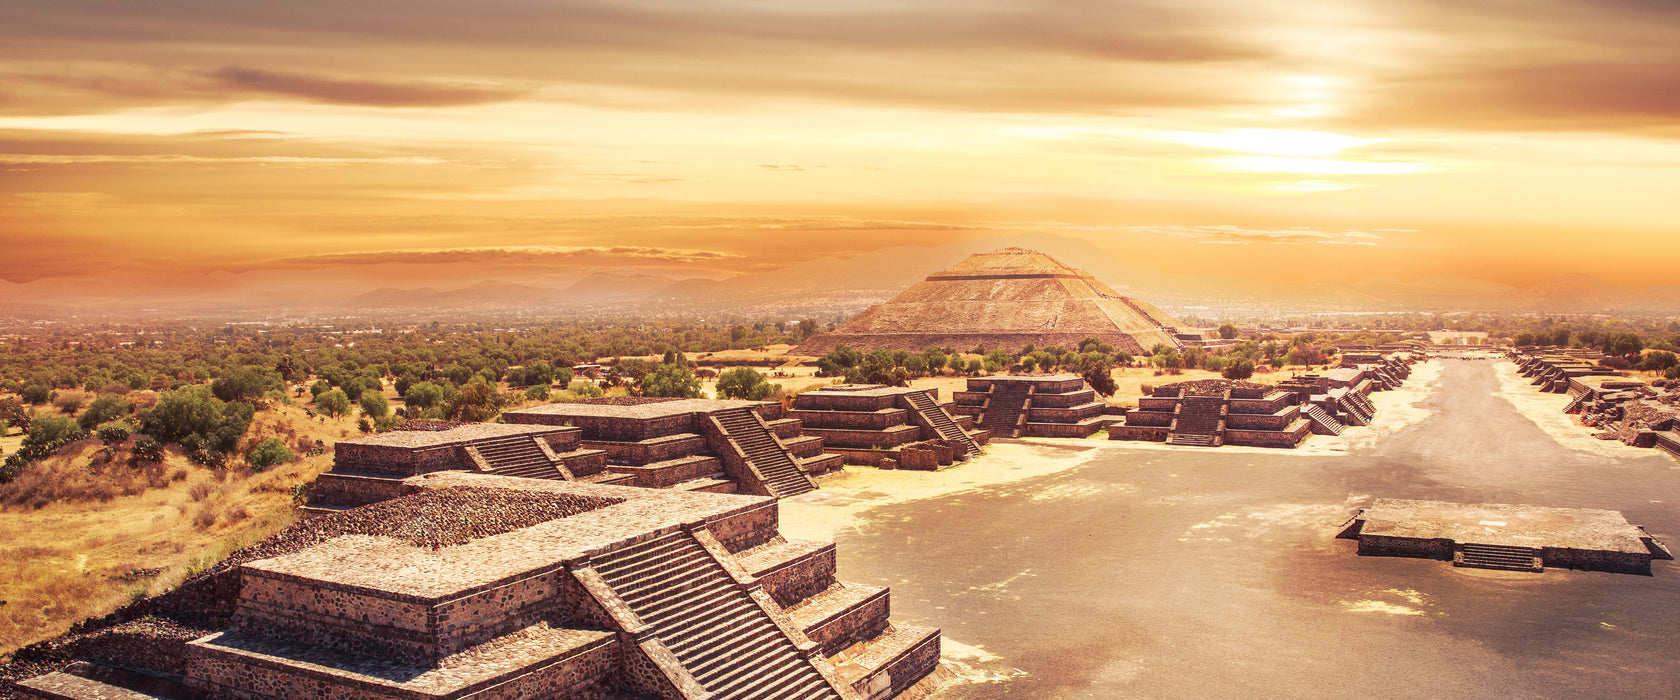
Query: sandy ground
1089	568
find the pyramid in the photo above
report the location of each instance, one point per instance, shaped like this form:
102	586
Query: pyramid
1005	299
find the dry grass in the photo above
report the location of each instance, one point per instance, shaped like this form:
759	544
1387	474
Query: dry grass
110	533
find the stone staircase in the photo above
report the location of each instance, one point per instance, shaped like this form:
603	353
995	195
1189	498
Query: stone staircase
718	632
1577	403
781	471
1351	408
1669	442
518	455
1004	407
1323	423
943	425
1199	423
1495	556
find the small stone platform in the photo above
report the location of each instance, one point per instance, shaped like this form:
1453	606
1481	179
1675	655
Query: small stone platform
1500	536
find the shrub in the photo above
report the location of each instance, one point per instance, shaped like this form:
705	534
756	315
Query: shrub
70	403
104	410
37	393
319	387
333	403
114	432
147	449
197	420
269	453
1241	369
745	383
538	392
374	404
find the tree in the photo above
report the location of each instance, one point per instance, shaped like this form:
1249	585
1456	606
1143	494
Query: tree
104	409
196	419
673	380
1623	344
269	453
1227	331
423	395
333	403
807	328
321	386
1240	369
375	404
743	383
37	393
247	382
69	404
476	401
1095	369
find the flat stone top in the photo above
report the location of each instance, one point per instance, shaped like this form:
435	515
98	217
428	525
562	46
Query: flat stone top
1345	374
868	389
435	438
646	410
1610	381
1502	524
392	566
1034	378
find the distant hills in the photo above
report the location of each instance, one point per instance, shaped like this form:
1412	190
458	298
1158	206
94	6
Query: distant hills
834	289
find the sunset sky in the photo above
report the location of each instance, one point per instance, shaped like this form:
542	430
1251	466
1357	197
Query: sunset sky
205	145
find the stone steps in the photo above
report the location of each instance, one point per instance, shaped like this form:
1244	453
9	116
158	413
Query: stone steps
714	628
942	423
1501	557
1323	424
1004	408
518	455
781	472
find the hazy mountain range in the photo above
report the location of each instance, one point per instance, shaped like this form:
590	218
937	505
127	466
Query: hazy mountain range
831	288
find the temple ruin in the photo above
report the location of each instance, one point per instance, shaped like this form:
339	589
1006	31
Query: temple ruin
1060	405
1621	408
1008	299
455	590
1215	412
683	444
892	427
1504	537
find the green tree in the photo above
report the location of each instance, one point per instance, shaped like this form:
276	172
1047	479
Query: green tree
196	419
1240	369
671	379
1624	343
744	383
247	382
269	453
1095	369
321	386
476	401
423	395
375	404
38	393
1227	331
333	403
104	409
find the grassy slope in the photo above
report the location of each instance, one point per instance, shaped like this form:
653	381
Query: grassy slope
74	559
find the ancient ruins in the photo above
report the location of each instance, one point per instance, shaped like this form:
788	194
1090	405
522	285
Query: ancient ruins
1007	298
1215	412
1060	405
888	427
454	589
683	444
1505	537
1622	408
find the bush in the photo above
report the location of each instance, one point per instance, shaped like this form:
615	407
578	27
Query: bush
197	420
114	432
672	380
423	395
375	404
248	382
744	383
70	403
147	449
37	393
537	393
269	453
1241	369
319	387
104	410
333	403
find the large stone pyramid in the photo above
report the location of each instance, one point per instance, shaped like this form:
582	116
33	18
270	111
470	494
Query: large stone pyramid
1004	299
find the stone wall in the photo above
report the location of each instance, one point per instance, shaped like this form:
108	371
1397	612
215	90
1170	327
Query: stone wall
890	437
801	578
1289	438
397	461
879	419
1597	560
1137	432
1426	548
856	624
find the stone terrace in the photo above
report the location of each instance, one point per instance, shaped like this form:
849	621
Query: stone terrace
694	444
371	469
650	592
890	427
1500	536
1214	412
1060	405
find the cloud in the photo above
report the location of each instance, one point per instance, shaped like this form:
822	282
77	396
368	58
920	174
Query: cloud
556	256
1237	235
358	92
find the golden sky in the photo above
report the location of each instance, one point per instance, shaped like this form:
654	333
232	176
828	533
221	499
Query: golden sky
203	144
